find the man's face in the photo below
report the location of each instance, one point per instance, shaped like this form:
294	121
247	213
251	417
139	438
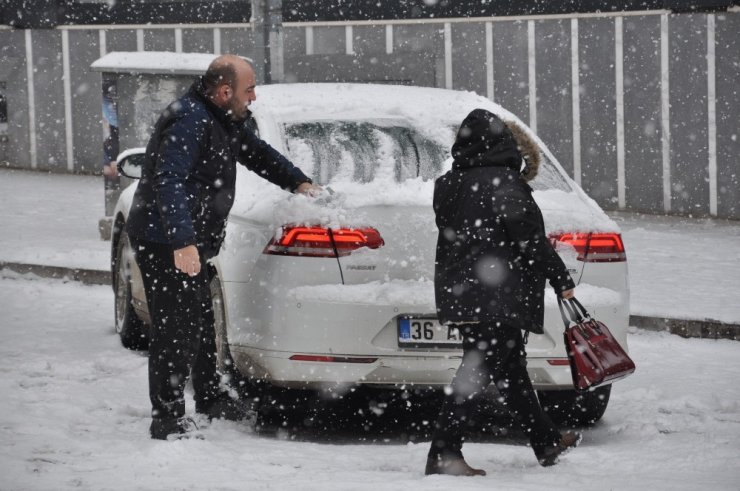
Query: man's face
243	94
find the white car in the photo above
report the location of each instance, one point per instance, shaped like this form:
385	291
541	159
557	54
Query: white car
338	290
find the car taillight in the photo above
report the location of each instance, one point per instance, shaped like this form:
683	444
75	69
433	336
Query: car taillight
594	248
322	242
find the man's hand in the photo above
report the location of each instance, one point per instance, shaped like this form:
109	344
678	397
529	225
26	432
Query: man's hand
569	293
309	189
187	260
110	170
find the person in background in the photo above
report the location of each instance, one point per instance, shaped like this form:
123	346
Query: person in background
110	130
111	179
492	259
177	223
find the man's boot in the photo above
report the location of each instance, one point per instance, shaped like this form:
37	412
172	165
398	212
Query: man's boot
173	428
224	407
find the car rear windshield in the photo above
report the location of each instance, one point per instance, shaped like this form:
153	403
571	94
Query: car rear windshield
362	151
549	177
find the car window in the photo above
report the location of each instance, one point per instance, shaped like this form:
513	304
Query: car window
549	177
362	151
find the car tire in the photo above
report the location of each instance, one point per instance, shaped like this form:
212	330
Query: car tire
129	327
247	388
571	408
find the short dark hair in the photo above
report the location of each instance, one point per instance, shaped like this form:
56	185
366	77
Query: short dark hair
218	74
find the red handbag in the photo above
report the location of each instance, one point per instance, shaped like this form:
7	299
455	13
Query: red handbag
596	358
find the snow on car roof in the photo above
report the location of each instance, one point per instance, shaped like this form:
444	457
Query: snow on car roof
428	109
367	100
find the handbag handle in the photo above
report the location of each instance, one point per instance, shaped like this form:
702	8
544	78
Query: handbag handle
573	315
576	312
575	303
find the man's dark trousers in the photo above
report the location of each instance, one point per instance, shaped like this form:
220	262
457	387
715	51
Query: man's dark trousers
182	338
491	353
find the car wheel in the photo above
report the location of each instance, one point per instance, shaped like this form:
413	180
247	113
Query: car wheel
224	362
129	327
571	408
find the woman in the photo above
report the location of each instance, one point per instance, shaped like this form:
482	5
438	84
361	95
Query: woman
493	257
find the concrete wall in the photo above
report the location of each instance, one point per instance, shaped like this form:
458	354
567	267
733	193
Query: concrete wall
641	109
727	57
13	73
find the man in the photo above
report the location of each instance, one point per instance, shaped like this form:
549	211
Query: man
492	260
110	129
111	180
176	224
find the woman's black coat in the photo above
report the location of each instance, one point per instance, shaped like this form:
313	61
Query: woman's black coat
492	251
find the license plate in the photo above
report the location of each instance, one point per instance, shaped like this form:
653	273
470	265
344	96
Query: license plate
426	332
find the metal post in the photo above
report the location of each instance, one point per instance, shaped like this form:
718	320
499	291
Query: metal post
267	16
275	37
261	54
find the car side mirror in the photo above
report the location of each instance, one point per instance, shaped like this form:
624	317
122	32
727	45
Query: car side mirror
130	166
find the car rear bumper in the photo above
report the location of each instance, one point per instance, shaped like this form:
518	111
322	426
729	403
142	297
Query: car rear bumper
277	368
262	345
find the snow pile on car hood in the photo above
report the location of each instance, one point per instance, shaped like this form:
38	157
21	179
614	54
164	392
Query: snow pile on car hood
260	201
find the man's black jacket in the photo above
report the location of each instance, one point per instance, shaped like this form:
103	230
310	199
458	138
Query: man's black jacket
492	252
188	180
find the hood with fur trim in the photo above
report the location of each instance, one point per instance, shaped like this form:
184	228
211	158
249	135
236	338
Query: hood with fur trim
528	149
484	140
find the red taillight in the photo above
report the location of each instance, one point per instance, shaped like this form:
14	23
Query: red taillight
559	362
332	359
321	242
594	248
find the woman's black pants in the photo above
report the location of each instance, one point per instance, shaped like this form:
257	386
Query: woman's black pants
491	353
182	338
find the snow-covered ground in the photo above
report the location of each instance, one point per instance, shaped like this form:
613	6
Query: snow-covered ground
683	268
74	415
679	267
75	411
52	219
